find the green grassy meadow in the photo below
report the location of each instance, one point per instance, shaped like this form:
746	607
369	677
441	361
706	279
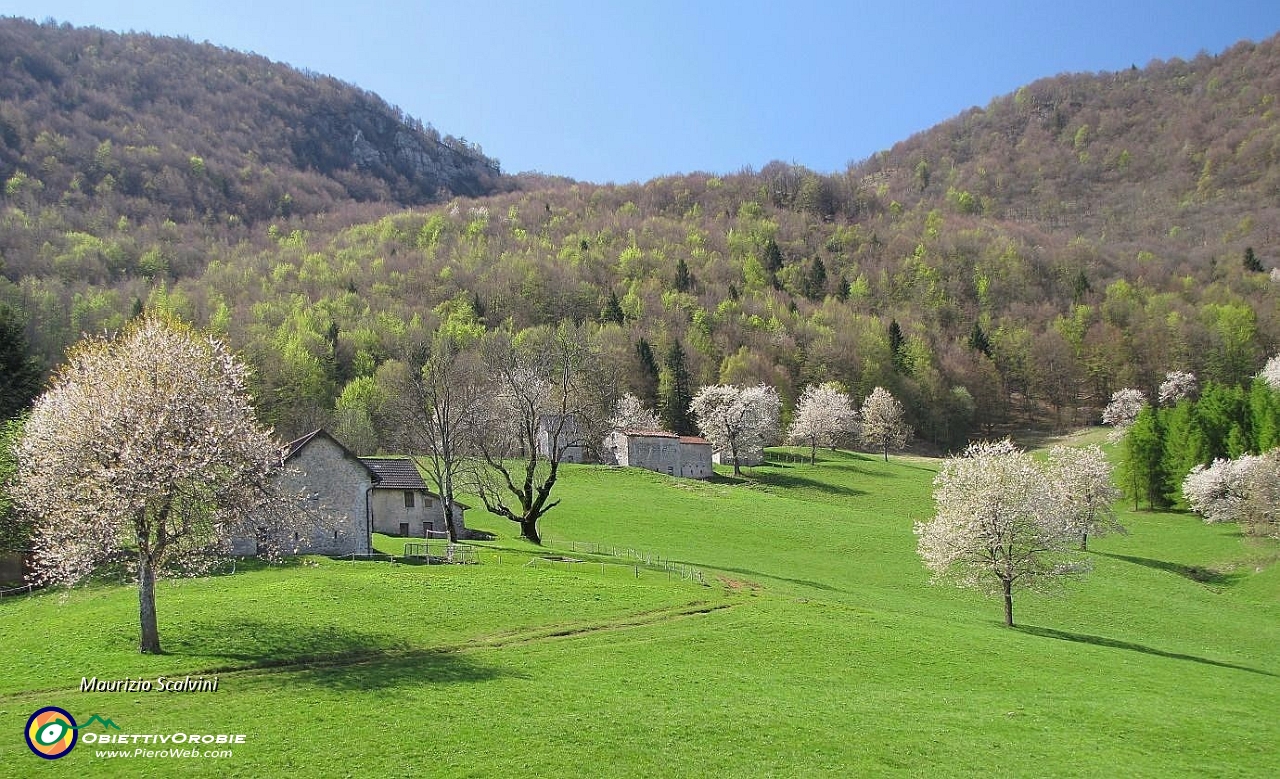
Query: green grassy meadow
816	647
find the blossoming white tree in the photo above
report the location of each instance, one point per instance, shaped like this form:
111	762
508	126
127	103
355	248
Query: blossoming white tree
737	420
1270	372
1219	492
630	413
146	447
824	414
1000	524
1124	407
884	422
1176	386
1082	478
1262	504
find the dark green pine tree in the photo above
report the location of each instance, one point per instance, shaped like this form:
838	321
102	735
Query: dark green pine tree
978	340
683	281
1143	473
773	262
19	372
897	342
1251	261
675	394
612	310
815	283
646	385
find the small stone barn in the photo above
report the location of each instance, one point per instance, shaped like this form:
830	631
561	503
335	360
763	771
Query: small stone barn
401	503
658	450
333	483
562	432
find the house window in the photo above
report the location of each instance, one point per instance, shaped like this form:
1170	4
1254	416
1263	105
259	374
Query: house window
408	499
404	528
425	527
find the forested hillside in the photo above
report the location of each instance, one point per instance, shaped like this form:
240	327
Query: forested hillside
114	137
1017	263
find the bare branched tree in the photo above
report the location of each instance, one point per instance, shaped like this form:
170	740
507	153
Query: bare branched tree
548	389
440	409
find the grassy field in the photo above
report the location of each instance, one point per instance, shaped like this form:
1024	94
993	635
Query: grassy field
815	647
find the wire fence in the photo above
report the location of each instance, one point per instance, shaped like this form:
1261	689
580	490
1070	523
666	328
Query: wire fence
25	589
650	560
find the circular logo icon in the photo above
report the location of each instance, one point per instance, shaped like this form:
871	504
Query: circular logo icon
51	732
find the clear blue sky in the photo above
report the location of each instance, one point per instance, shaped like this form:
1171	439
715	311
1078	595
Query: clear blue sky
604	91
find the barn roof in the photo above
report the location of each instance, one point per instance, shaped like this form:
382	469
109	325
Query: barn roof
693	439
395	473
634	432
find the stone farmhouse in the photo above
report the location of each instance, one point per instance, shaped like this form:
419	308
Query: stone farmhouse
658	450
354	497
402	505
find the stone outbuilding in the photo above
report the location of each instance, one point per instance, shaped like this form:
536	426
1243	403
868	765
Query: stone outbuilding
401	503
658	450
563	432
748	457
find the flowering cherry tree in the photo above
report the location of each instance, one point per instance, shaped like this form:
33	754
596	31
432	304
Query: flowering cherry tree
824	413
884	422
1176	386
1270	372
999	524
737	420
1082	478
629	412
145	447
1124	407
1220	491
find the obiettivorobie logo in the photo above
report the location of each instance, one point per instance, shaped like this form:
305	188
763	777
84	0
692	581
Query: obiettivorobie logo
52	732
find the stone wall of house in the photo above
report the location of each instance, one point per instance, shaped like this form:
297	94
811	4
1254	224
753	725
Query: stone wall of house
335	485
390	511
656	453
695	460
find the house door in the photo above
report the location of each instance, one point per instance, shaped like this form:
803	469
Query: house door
425	527
404	528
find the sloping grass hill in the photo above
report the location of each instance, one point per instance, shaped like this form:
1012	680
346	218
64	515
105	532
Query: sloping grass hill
817	647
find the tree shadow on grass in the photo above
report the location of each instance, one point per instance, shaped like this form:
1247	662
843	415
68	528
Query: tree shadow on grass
327	655
1084	638
794	481
401	669
1193	572
763	575
260	643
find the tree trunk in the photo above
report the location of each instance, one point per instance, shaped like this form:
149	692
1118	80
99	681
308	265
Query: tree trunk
886	453
813	452
150	644
1084	542
529	530
446	499
1008	602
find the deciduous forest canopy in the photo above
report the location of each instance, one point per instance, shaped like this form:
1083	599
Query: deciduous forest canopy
1019	262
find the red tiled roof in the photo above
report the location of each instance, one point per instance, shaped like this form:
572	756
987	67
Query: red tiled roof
649	433
693	439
